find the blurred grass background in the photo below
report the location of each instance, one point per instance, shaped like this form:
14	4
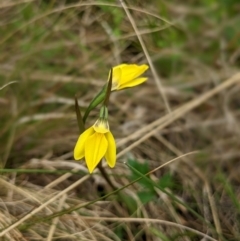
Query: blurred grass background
52	50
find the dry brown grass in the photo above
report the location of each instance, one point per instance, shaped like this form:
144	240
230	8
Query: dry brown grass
51	50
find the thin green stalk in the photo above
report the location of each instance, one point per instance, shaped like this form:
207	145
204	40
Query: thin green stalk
106	177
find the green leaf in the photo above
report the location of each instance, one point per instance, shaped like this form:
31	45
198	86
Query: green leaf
146	196
99	98
166	181
143	168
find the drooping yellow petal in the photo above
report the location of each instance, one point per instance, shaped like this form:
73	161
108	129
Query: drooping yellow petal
78	152
95	148
111	150
131	72
134	82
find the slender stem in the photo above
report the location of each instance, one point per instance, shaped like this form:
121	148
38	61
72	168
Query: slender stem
95	102
106	177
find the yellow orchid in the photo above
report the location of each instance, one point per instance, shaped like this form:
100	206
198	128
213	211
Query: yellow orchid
95	143
123	76
126	75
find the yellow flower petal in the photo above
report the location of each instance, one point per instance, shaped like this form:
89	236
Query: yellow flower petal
134	82
95	148
116	76
123	74
78	152
131	72
111	150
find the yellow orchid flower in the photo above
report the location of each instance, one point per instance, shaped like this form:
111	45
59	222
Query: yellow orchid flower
95	143
123	76
127	75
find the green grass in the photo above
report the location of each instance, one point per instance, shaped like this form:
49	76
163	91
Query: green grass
52	50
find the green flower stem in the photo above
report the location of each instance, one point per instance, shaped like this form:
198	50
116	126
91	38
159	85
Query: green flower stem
103	112
102	96
99	98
